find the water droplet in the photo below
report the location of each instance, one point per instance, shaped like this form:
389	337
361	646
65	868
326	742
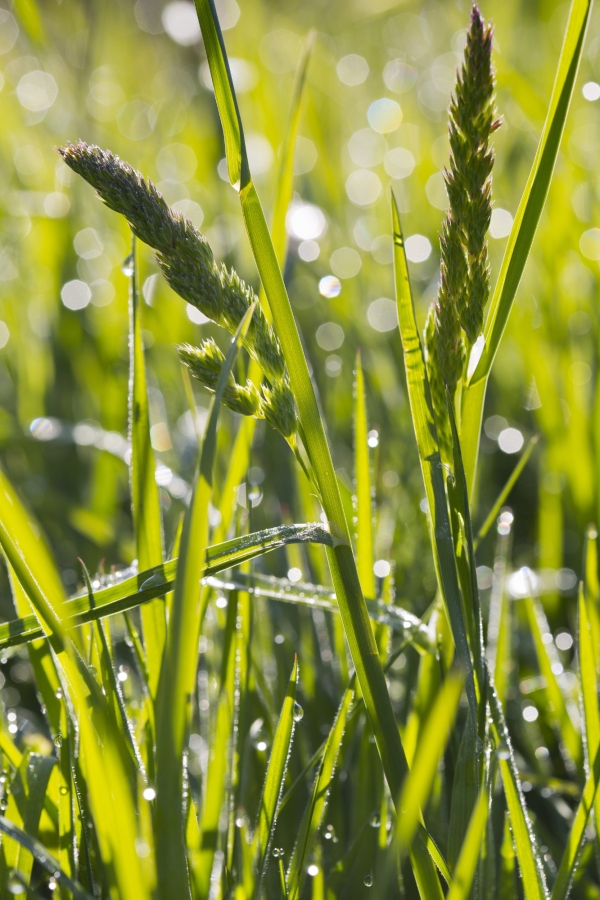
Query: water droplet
3	804
16	887
478	746
298	712
63	789
127	266
503	752
278	852
368	882
58	740
92	670
59	694
375	821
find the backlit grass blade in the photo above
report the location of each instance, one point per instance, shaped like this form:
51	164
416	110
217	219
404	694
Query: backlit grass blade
43	858
523	230
343	567
364	498
547	660
466	865
568	864
416	790
532	872
502	496
102	748
214	792
144	490
137	589
29	793
429	458
178	672
315	810
274	780
588	658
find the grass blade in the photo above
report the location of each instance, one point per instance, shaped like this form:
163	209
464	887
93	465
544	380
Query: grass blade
343	567
315	810
502	496
176	686
429	458
274	780
364	498
469	855
144	490
523	230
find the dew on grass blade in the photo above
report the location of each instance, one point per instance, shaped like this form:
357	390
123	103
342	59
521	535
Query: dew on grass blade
368	880
298	712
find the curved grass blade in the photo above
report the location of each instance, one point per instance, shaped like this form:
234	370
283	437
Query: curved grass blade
144	490
178	672
133	591
40	854
29	796
274	781
315	810
523	231
343	567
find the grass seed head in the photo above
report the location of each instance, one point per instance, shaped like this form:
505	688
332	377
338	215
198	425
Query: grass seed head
205	364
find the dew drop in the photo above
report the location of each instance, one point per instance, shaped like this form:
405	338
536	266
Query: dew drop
3	804
368	881
375	821
503	752
63	790
59	694
278	852
478	746
16	887
298	712
58	740
127	266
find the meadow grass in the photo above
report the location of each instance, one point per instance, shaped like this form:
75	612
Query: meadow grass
208	729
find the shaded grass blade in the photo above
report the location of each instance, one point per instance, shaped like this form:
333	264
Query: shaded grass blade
469	855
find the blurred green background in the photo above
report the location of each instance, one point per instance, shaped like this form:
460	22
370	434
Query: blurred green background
132	77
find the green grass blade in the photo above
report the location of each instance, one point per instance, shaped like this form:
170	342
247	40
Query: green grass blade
429	458
469	855
315	810
41	855
364	498
219	755
155	582
547	659
343	567
523	230
274	780
177	677
568	863
588	668
501	498
532	873
432	743
144	490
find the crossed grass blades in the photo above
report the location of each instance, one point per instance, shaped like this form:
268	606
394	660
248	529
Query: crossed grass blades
116	811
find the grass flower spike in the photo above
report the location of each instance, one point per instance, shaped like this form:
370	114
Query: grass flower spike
182	252
187	262
456	319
